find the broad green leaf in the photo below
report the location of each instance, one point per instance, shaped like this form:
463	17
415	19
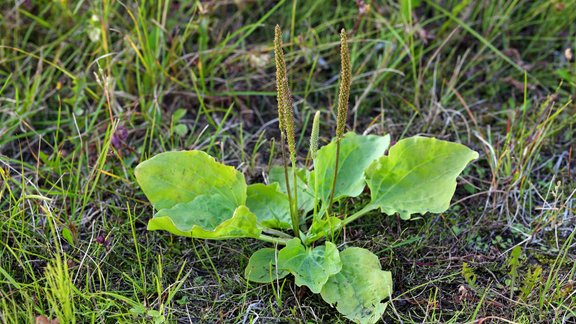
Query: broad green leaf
323	227
360	287
208	217
270	205
173	178
262	267
242	224
310	267
418	176
305	192
206	211
357	152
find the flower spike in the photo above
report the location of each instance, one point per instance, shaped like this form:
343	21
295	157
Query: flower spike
345	80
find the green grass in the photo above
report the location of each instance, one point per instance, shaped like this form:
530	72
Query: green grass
88	89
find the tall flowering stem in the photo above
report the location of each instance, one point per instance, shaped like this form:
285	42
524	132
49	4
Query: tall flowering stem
286	123
343	96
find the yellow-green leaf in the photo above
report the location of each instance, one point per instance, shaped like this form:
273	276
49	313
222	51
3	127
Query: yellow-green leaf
206	217
262	267
310	266
357	152
418	176
270	205
178	177
359	287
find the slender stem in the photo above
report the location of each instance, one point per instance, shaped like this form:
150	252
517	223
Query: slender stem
285	162
329	207
295	202
277	233
358	214
315	216
272	239
293	214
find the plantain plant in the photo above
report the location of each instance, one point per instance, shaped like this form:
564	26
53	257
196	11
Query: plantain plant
195	196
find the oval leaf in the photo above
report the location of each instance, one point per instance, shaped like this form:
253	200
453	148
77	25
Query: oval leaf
418	176
172	178
270	205
305	193
208	217
262	267
357	152
310	267
360	287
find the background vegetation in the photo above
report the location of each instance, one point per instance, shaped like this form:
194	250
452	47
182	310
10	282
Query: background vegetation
90	88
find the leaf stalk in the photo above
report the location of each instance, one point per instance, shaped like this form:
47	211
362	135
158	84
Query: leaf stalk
272	239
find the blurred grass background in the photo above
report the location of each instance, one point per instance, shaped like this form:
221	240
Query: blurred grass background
90	88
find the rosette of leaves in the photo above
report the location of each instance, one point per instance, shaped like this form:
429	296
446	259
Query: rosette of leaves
196	196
